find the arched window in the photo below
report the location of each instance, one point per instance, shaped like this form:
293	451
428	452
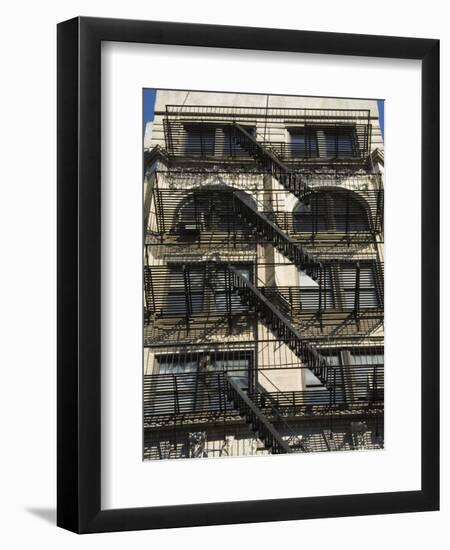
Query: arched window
206	210
338	211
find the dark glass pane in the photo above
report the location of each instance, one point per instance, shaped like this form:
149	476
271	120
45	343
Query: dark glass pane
200	140
303	142
298	144
340	141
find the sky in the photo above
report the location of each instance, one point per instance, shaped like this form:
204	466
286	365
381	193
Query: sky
149	104
149	108
381	115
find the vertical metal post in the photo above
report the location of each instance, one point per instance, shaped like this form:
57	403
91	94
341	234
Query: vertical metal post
187	293
357	293
176	396
331	390
379	214
201	141
149	289
219	389
315	207
334	385
251	376
156	206
196	214
161	211
195	390
374	384
347	214
228	298
320	296
229	214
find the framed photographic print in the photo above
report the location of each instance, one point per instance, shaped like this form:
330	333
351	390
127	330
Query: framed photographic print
237	339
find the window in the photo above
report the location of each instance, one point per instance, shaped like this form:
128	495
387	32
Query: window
368	373
348	213
313	214
214	139
206	210
185	290
338	211
316	391
368	296
340	141
365	380
302	143
324	141
196	288
218	299
312	295
200	139
373	357
187	382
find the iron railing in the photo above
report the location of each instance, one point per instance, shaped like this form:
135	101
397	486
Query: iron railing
259	423
280	325
320	135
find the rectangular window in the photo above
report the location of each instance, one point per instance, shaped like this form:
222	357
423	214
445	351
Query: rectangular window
187	383
358	375
367	374
367	357
368	295
313	296
199	139
218	299
298	143
199	288
341	142
317	392
185	290
326	141
214	139
302	142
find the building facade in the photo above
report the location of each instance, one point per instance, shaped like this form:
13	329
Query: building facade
263	275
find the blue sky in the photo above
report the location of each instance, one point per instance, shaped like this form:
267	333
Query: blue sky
149	104
381	114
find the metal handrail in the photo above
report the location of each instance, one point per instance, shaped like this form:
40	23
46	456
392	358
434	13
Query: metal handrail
273	234
247	408
281	326
292	181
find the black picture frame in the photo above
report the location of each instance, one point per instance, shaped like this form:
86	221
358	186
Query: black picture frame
79	275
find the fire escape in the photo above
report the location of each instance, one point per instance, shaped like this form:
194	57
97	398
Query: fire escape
351	390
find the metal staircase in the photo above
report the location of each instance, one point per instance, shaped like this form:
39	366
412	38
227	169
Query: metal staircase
291	181
260	425
281	326
271	233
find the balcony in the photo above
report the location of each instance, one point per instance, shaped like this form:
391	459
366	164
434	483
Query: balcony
338	211
180	406
191	302
217	133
